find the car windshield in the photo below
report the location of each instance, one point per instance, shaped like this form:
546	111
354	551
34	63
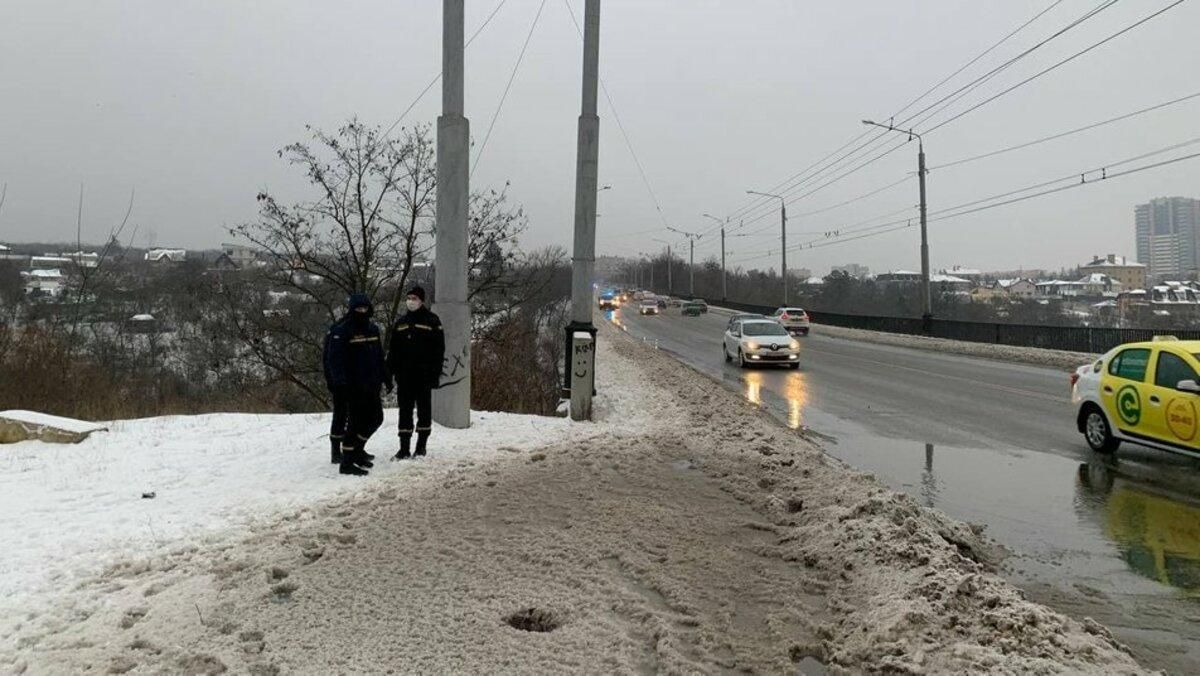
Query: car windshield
792	311
763	329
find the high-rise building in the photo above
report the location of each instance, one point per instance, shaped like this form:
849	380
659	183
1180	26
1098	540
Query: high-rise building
1168	236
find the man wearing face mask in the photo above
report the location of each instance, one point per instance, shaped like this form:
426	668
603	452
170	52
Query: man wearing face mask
354	372
415	359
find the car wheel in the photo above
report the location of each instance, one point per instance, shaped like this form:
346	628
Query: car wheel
725	352
741	358
1097	432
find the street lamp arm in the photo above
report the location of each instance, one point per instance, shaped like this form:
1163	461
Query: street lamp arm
891	127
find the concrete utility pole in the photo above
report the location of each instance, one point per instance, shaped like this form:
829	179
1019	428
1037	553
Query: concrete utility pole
692	237
670	287
584	258
926	298
724	279
782	238
452	401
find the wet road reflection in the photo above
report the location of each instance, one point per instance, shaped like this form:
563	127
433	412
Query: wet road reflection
1157	533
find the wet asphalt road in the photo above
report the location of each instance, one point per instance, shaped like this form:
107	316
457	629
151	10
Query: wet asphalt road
1117	539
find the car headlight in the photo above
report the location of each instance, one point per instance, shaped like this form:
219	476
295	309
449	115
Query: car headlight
795	345
751	345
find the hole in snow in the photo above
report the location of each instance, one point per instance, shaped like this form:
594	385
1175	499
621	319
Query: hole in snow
534	619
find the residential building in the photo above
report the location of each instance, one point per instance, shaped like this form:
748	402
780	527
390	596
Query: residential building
43	283
854	270
1099	284
1131	274
83	259
240	255
969	274
166	255
938	281
48	262
1168	236
1016	288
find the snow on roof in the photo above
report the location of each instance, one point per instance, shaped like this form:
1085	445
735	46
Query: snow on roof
169	254
142	318
950	279
1114	262
44	272
48	258
814	281
4	248
1096	278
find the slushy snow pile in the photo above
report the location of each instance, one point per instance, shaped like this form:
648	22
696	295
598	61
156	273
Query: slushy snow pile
683	532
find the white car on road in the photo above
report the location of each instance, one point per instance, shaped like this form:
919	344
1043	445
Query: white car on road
761	341
794	319
648	307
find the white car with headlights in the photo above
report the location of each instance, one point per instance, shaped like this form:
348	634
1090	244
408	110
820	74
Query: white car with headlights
648	307
760	341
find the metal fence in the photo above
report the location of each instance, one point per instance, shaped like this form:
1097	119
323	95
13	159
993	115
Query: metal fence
1094	340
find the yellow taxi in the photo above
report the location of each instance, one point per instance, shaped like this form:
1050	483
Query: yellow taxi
1144	393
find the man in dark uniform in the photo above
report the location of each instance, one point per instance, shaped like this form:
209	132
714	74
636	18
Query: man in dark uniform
415	360
354	372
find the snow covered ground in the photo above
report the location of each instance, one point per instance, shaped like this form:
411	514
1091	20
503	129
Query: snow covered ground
682	532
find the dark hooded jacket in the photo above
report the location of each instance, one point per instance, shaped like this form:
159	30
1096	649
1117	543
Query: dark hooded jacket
353	352
417	349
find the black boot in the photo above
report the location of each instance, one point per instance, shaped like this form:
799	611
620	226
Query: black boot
351	468
335	451
350	461
403	454
422	437
362	458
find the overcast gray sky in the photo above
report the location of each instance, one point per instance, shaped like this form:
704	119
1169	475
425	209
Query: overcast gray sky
187	102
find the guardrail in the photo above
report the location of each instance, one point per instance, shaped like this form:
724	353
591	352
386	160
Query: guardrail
1089	339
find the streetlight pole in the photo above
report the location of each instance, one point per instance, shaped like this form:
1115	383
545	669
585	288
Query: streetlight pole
926	301
782	238
724	279
692	237
670	286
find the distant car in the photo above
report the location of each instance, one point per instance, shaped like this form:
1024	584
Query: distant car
693	309
661	302
648	307
674	302
794	319
740	317
609	302
703	305
1144	393
760	341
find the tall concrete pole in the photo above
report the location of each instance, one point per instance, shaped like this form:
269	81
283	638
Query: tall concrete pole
692	267
783	247
452	401
724	286
583	260
926	301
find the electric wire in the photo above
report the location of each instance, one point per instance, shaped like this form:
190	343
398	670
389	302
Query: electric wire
437	77
621	126
967	88
1057	65
512	76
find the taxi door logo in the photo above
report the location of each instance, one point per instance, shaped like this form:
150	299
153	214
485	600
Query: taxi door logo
1129	405
1181	419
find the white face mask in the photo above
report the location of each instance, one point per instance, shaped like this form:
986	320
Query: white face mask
412	304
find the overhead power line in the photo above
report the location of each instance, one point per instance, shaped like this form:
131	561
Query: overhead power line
437	77
512	76
1064	134
967	88
1057	65
621	126
1061	184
